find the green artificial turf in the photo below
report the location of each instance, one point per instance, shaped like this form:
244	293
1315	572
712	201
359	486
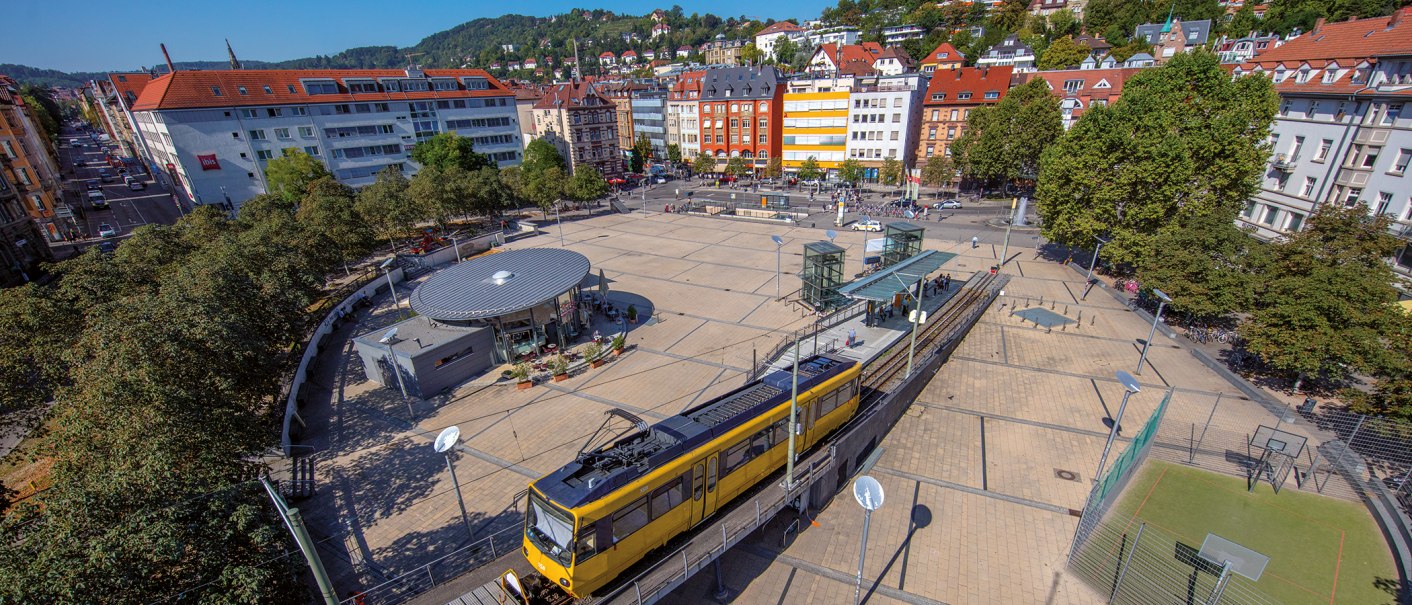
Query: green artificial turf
1321	549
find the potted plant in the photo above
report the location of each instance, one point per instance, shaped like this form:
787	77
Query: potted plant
632	313
521	374
594	354
618	342
559	367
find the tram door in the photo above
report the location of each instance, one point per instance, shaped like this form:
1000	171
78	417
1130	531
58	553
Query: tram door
703	488
712	471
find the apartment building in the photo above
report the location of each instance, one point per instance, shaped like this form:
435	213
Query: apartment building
583	124
1080	89
740	113
948	102
1010	52
29	164
620	92
1343	134
816	118
883	115
943	57
649	119
22	246
766	39
683	114
722	51
214	132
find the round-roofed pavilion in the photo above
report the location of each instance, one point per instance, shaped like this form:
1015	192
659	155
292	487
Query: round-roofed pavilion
497	308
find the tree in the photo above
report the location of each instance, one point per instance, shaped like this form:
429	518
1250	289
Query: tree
489	195
736	166
1325	305
891	172
442	193
809	169
1185	139
850	171
1010	17
540	155
587	184
1392	394
938	172
384	206
1126	51
289	175
752	55
674	153
1063	22
1063	53
327	212
641	152
704	164
1243	22
785	50
449	149
774	167
1206	264
545	188
1006	140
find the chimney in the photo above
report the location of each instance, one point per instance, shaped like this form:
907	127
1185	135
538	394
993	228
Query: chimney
171	68
1318	25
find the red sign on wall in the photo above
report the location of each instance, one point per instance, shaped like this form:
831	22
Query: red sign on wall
208	162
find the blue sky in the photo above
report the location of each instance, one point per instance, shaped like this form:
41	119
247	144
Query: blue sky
85	35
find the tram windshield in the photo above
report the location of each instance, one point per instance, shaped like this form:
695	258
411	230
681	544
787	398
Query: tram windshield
549	528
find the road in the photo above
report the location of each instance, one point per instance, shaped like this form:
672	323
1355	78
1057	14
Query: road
127	209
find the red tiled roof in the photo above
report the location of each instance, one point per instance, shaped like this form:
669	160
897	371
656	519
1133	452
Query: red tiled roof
130	85
782	26
974	80
1088	90
193	89
944	52
1345	40
570	95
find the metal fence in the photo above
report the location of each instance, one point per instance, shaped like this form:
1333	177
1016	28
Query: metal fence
452	565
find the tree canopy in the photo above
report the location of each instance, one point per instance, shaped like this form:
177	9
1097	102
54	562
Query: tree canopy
1063	53
704	164
587	184
289	176
809	169
1183	140
1006	140
448	149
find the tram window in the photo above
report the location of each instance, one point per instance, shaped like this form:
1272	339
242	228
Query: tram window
698	482
711	474
736	456
666	498
778	435
587	544
759	443
630	519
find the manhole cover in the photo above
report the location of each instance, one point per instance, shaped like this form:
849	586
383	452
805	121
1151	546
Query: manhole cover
1066	475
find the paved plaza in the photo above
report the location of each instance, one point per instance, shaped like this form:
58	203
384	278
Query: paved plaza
984	474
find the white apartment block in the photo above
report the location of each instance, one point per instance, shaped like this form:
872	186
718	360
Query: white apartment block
883	119
214	132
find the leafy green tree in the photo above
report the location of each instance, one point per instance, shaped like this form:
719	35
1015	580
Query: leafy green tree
328	213
1006	140
385	206
545	188
736	166
1325	305
1392	393
809	169
891	172
850	171
441	194
541	155
1243	22
489	195
1206	264
752	55
1185	139
674	153
938	172
1063	22
1063	53
45	110
1126	51
641	153
785	50
587	184
704	164
289	175
449	149
1010	17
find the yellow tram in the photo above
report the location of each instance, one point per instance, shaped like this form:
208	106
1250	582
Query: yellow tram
597	516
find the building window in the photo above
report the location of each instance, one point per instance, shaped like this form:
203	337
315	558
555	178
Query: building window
1298	146
1296	220
1308	189
1072	86
264	154
241	90
1400	164
931	133
274	112
1271	213
1350	197
1371	159
248	113
1384	202
1393	112
306	132
312	150
930	150
257	135
216	91
1324	147
282	133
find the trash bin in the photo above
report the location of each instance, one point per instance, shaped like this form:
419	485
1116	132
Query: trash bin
1307	407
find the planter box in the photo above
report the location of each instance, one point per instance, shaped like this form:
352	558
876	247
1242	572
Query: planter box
524	385
560	377
596	363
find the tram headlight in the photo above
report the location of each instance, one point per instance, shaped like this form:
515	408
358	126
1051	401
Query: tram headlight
564	582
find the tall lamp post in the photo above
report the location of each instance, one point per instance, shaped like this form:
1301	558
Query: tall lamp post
455	244
1089	278
387	339
1130	386
559	220
386	267
1005	249
1163	299
917	316
444	444
779	247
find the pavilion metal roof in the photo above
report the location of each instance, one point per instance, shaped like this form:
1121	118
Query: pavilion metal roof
881	286
471	291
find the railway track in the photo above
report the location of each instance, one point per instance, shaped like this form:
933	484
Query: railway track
886	370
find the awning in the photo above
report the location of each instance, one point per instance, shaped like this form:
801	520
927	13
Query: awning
881	286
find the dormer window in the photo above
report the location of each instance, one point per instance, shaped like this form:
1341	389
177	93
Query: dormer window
361	86
268	91
241	90
321	87
1329	77
216	91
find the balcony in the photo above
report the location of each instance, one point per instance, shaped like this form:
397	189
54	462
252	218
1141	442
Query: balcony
1283	163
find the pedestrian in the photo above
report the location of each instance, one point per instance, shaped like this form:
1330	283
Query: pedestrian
975	241
852	337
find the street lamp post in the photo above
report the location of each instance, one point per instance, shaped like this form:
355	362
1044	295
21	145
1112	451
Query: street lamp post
917	316
444	444
1005	249
1130	386
387	339
559	220
1089	278
386	267
779	247
1163	299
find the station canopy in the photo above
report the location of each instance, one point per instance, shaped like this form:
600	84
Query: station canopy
499	284
881	286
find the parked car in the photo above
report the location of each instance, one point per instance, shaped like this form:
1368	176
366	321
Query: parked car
97	199
107	247
92	185
948	204
106	230
867	226
903	203
134	184
105	175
